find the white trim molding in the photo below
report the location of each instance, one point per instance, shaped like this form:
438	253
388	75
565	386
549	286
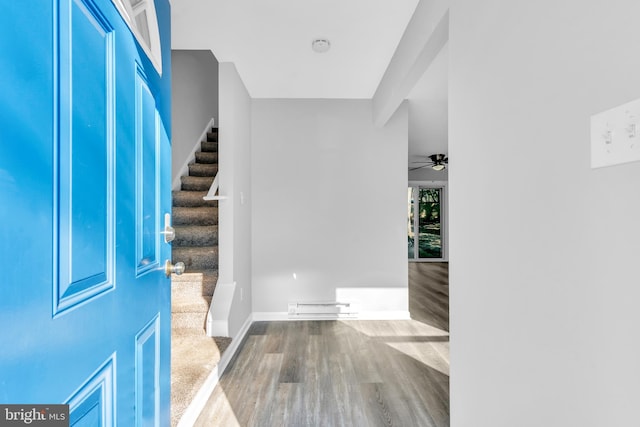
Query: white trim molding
220	309
364	315
142	20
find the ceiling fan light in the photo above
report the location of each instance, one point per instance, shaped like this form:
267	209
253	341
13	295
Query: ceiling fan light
437	167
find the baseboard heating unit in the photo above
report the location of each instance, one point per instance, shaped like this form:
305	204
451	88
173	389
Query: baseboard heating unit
330	310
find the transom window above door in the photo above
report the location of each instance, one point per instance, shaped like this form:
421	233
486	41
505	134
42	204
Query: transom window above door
140	16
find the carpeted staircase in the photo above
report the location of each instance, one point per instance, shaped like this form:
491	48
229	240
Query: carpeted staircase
196	220
193	354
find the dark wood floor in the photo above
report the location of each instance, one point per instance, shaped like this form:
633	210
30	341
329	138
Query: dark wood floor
342	373
429	293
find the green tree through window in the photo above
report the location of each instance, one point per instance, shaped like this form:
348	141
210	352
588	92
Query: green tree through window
429	222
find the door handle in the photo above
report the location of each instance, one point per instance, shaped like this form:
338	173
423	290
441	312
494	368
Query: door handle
169	232
177	268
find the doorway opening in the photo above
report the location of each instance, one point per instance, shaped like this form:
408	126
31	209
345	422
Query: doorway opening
426	231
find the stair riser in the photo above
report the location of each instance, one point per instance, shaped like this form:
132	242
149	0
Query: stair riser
209	146
195	284
197	258
192	199
188	304
212	136
188	320
195	216
196	236
206	157
203	169
196	183
197	262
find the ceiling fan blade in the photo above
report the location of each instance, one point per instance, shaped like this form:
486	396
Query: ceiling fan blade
419	167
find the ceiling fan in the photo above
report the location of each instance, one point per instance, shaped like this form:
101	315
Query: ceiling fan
436	162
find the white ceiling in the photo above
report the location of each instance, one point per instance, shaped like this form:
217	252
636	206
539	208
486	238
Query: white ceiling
270	42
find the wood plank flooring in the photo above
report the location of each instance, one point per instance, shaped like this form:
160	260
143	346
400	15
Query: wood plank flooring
338	373
429	293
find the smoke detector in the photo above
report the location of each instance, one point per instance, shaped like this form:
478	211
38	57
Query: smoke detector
320	45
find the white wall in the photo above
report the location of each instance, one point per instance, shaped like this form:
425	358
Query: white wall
235	183
194	92
428	174
426	34
428	118
329	205
544	250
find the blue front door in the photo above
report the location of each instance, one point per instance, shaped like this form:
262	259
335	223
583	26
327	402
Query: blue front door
84	188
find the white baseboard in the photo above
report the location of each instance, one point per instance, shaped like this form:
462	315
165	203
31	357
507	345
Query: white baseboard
184	170
270	315
365	315
198	403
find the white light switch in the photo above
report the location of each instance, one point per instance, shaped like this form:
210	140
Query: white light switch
615	135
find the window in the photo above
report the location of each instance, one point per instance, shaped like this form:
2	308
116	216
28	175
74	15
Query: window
140	16
425	223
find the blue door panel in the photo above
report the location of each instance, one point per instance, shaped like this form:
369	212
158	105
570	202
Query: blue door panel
148	375
93	403
147	146
86	152
84	185
91	418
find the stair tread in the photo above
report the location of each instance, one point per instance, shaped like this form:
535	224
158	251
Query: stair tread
196	227
195	208
199	282
207	272
197	178
203	170
199	249
191	198
190	254
199	183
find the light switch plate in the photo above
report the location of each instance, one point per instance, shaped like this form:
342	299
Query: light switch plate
615	135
